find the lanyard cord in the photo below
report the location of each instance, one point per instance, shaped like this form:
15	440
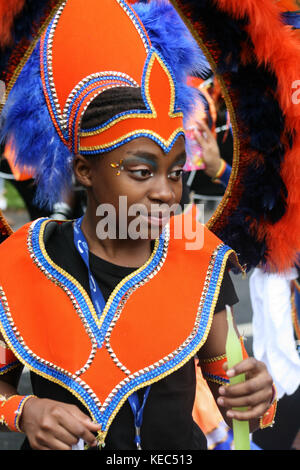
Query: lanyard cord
99	304
138	411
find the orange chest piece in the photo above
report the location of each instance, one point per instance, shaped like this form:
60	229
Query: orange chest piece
153	323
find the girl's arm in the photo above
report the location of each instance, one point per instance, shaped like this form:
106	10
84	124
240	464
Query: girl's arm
256	393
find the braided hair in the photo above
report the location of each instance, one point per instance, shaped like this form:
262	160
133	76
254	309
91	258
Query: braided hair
110	103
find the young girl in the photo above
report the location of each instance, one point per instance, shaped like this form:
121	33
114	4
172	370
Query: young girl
109	321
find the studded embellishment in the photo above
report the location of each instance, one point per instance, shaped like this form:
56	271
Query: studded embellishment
99	330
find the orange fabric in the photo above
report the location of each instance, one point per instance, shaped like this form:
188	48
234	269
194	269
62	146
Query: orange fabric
6	355
215	367
51	328
162	122
50	336
8	411
205	412
116	56
9	9
269	416
69	68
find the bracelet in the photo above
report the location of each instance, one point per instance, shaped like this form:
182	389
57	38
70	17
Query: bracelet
212	368
11	409
268	419
7	359
220	171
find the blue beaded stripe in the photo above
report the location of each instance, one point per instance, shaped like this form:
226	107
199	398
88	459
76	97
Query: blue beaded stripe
147	377
132	282
136	382
43	369
8	367
76	114
153	51
99	334
112	78
215	378
61	278
165	148
142	112
147	112
135	20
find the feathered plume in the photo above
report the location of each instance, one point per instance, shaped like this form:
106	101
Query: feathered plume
164	26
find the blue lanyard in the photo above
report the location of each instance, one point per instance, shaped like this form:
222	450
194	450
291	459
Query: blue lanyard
99	304
138	411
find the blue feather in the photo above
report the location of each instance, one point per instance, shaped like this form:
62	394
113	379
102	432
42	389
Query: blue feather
27	121
292	18
170	36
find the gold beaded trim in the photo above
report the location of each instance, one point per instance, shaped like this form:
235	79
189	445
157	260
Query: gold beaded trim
271	424
193	352
99	321
9	368
103	434
19	412
213	359
152	115
133	133
40	360
125	298
215	380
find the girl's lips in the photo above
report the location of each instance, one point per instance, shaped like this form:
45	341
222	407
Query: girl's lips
157	220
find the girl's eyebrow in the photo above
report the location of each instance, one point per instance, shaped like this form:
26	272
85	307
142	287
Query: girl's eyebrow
180	159
141	157
150	158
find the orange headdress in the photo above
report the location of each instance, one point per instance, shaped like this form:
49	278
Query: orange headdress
84	49
251	48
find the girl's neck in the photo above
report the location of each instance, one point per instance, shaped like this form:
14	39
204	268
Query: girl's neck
122	252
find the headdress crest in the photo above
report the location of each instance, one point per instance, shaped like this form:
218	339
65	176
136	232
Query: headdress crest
84	49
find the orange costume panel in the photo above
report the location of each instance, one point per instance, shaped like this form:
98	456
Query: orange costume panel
49	322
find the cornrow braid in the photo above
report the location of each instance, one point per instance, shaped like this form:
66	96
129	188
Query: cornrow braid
110	103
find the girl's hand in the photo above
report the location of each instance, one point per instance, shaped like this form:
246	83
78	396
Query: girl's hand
51	425
255	393
210	149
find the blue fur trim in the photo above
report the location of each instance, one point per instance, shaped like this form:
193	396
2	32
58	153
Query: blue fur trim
27	121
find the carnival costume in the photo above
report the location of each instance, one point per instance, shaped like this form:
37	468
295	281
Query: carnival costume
58	56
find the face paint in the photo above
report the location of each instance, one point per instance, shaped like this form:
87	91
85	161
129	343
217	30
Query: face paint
118	166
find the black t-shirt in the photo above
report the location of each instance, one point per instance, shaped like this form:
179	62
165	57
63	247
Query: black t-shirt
167	418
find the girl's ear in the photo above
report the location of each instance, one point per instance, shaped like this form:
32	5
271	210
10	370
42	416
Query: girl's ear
83	170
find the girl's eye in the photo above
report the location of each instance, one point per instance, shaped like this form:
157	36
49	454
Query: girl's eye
176	174
141	173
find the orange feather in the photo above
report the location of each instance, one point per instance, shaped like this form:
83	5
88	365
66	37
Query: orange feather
8	11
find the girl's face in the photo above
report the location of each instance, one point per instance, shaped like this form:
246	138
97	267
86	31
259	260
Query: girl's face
142	174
